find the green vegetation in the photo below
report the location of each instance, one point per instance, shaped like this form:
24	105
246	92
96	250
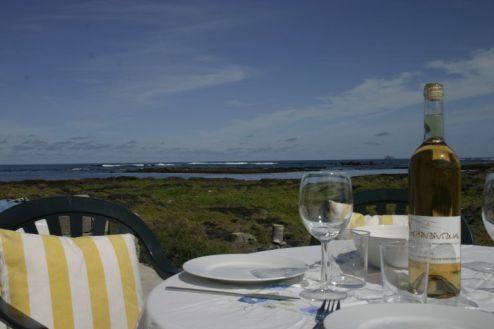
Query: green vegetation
194	217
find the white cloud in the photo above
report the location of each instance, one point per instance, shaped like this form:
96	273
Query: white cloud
464	79
164	59
460	116
352	117
468	78
147	86
375	95
162	13
190	81
172	54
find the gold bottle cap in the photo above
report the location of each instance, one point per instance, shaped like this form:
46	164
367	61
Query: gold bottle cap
433	91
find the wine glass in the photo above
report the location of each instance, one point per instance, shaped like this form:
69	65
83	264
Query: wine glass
488	205
325	206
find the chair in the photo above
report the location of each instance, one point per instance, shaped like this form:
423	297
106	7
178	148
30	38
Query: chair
381	201
392	201
68	215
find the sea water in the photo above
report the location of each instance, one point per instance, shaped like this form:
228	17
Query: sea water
284	169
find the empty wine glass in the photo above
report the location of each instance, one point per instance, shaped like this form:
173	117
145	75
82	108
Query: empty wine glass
325	206
488	205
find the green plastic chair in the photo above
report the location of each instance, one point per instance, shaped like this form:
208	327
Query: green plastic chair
77	216
384	200
381	202
392	201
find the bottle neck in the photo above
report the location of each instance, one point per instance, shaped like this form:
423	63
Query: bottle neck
433	121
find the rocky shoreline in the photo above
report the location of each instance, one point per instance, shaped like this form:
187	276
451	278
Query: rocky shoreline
221	170
348	165
199	216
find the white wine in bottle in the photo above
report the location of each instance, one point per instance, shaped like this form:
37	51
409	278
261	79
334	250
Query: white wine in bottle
434	208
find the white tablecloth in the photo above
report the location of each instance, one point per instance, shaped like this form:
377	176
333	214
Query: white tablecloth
184	310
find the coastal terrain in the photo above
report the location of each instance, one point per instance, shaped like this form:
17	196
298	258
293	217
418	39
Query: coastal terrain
199	216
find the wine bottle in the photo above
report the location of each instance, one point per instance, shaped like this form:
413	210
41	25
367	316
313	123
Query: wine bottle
434	208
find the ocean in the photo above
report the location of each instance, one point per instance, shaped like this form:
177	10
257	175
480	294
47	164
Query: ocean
272	169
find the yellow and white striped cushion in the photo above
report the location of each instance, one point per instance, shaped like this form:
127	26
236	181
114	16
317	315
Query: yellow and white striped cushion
63	283
358	220
340	210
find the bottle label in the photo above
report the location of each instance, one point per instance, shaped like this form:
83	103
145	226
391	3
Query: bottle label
444	234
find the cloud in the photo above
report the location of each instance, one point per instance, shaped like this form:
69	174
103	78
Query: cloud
464	78
156	73
184	17
31	143
130	145
165	59
289	140
186	81
479	113
381	97
28	143
374	96
270	134
247	152
242	104
468	78
45	150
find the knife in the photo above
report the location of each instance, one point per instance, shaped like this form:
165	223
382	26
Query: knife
231	293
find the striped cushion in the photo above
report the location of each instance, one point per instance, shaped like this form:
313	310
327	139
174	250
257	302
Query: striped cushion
62	282
338	209
359	220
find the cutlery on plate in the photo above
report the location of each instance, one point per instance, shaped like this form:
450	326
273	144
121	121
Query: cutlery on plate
231	293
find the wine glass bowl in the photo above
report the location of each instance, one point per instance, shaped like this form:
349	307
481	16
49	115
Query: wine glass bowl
488	205
325	206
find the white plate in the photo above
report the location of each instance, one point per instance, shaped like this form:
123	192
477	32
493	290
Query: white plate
245	267
408	316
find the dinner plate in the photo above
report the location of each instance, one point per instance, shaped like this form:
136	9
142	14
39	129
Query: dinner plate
245	268
408	316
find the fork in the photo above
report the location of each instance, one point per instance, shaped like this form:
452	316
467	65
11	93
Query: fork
328	306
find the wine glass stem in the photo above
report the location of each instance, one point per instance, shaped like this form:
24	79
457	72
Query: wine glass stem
325	262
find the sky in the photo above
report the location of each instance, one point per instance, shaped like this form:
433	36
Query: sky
163	81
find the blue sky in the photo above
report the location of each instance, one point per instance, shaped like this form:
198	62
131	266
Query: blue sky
127	81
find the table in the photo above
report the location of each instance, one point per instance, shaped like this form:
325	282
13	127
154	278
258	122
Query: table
166	309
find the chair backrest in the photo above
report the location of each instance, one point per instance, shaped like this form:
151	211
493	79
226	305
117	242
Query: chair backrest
381	201
78	215
394	201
